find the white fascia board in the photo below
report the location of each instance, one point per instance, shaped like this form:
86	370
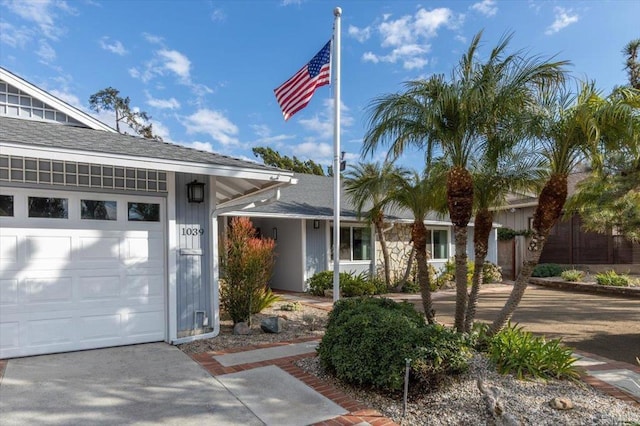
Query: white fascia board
56	103
146	163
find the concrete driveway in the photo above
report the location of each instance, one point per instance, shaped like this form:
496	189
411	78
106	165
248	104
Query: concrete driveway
605	325
143	384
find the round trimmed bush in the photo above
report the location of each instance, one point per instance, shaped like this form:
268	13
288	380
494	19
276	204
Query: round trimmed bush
367	341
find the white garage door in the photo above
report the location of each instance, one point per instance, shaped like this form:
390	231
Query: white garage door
88	274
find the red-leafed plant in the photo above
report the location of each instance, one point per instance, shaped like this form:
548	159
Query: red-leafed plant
247	265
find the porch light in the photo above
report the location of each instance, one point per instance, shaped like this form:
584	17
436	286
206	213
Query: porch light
316	224
274	233
195	192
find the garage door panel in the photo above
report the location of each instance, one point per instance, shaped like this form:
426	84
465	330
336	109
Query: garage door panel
71	284
105	287
54	289
99	248
8	292
48	248
50	331
8	249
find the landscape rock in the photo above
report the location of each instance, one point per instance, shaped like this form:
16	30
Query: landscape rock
241	328
272	324
561	403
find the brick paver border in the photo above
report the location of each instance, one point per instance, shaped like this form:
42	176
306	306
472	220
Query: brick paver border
357	412
604	386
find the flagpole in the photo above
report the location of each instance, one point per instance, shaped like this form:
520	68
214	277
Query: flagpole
337	12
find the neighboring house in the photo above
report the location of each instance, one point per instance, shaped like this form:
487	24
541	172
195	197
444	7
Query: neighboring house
301	222
99	244
568	242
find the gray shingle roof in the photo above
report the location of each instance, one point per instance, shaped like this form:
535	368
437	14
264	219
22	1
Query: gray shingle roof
27	132
312	196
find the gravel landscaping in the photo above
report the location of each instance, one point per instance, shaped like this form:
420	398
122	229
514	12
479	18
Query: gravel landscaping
456	402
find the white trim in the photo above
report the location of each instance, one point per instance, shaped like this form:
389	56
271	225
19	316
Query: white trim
303	226
53	101
172	258
147	162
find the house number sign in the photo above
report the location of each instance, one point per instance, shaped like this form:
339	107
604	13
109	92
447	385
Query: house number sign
192	231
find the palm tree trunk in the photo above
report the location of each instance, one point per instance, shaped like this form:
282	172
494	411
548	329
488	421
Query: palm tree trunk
481	230
385	251
550	204
419	232
460	234
460	204
407	271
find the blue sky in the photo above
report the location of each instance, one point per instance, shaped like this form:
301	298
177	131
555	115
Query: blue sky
205	70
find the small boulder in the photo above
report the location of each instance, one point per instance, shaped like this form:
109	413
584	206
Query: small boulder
561	403
241	328
272	324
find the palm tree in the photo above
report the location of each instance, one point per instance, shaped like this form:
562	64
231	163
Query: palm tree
610	197
369	185
571	128
632	65
420	195
516	170
450	117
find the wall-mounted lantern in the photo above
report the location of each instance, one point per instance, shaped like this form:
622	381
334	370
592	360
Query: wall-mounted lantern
195	192
275	233
316	224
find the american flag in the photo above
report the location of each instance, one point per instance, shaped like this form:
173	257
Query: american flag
295	93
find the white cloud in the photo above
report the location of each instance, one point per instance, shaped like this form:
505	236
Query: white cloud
360	34
46	53
290	2
313	149
212	123
161	130
409	36
563	18
411	56
171	103
115	47
176	62
43	13
486	7
322	123
263	132
201	146
14	36
67	97
153	39
218	15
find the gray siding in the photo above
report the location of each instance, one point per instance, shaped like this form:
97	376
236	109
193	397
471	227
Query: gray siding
316	249
192	221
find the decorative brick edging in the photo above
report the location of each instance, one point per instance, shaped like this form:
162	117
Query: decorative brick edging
357	412
604	386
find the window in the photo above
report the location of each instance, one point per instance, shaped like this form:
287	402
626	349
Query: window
98	210
438	243
6	205
355	243
144	212
57	208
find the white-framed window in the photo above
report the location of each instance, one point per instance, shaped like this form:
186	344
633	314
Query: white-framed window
438	243
355	243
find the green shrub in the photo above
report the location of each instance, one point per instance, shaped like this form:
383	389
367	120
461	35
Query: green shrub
572	275
322	281
519	352
350	284
292	306
246	266
411	287
544	270
491	273
368	339
611	278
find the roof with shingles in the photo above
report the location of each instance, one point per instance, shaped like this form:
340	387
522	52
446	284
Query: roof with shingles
52	135
312	197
